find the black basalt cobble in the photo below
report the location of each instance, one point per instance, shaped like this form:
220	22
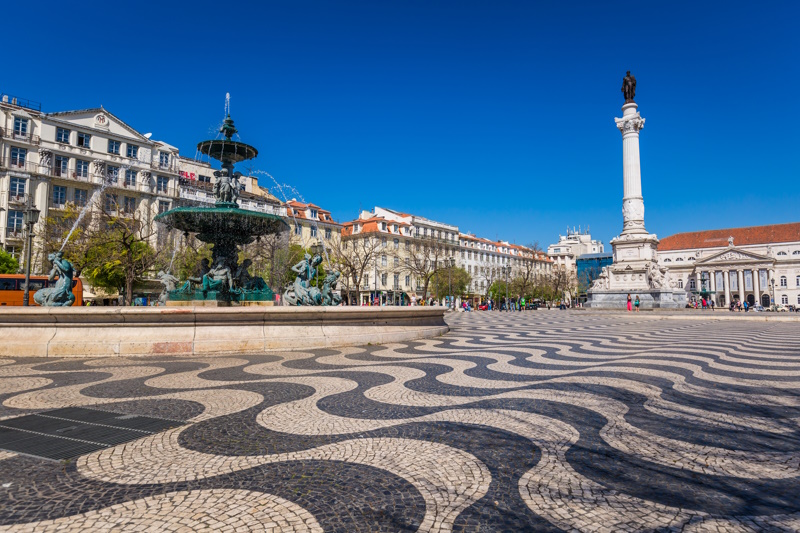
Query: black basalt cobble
716	375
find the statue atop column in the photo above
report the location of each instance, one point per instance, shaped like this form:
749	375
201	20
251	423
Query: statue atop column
629	87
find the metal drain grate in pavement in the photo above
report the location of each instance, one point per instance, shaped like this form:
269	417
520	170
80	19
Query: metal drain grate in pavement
73	431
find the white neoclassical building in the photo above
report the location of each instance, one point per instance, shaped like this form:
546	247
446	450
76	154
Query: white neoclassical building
758	264
569	247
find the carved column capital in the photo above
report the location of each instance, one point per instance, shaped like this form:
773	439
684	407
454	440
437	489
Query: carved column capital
630	124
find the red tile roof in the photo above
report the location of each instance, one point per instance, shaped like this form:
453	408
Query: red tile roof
741	236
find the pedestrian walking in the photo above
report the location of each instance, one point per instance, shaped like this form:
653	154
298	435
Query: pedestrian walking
629	302
636	303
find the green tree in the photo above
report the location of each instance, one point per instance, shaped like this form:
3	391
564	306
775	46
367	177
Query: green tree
442	278
8	265
497	290
118	258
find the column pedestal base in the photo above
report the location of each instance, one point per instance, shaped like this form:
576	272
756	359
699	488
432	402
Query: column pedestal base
648	298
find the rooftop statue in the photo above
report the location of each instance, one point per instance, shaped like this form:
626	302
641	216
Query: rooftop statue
629	87
59	295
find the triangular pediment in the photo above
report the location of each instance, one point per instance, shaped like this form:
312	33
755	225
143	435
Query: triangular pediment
733	254
99	119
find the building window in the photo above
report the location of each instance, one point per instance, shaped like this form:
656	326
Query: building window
59	195
365	280
112	173
397	281
204	179
163	206
129	204
113	146
81	168
327	233
18	156
60	167
383	242
298	229
81	196
383	279
782	253
20	126
62	135
132	151
130	178
679	259
408	282
17	187
15	220
84	140
163	159
692	284
798	281
314	214
162	184
396	261
383	226
784	299
783	281
383	260
397	244
111	202
313	231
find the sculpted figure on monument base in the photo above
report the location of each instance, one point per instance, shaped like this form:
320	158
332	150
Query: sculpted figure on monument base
602	283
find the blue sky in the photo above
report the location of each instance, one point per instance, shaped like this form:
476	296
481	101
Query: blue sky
493	115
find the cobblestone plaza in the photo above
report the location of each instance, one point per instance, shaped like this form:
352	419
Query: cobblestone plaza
534	421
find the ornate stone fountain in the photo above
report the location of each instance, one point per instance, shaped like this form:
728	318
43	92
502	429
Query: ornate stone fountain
226	227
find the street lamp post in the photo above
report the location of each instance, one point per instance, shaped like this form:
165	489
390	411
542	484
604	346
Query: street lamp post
772	282
31	217
316	249
505	273
451	264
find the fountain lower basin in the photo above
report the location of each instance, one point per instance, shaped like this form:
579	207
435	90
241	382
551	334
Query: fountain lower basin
146	331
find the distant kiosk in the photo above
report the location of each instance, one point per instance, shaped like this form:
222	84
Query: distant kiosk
635	270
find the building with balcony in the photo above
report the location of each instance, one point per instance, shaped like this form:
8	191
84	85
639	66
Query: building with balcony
569	247
50	160
410	247
311	225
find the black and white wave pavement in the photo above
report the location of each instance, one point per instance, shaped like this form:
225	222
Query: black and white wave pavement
535	421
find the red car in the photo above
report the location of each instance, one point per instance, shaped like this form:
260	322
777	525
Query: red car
483	307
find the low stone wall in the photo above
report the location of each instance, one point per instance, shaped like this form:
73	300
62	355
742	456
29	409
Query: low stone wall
137	331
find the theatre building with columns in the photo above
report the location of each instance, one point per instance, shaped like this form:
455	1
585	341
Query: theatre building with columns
759	264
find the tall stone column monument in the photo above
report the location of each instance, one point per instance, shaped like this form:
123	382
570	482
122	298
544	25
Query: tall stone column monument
635	270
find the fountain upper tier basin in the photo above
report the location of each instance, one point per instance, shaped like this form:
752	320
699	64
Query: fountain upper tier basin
227	151
237	226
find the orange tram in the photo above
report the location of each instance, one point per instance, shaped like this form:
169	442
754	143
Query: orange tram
12	287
